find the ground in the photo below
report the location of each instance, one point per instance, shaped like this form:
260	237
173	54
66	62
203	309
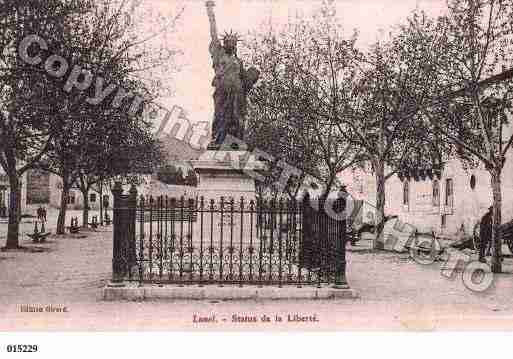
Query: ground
395	293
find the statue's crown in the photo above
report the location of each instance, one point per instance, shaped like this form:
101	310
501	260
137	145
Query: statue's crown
231	38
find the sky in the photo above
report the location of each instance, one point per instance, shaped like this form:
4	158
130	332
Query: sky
192	84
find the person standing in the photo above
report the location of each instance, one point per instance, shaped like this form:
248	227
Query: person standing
485	234
340	207
40	214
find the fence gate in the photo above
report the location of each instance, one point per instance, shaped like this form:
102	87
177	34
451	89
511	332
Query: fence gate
195	241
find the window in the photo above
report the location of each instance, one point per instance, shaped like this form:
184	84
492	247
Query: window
92	197
436	193
71	198
406	193
472	182
449	192
444	221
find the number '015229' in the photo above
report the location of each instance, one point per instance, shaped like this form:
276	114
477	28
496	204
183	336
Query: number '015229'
21	348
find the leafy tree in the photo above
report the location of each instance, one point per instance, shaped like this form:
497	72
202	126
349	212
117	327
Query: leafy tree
305	71
168	174
179	177
335	106
101	140
191	179
476	52
383	112
116	147
27	126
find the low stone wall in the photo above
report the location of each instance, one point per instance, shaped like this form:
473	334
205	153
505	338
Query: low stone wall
230	292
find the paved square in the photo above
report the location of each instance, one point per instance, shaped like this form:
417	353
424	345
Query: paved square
395	293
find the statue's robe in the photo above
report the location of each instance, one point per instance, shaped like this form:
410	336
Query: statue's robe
232	84
229	94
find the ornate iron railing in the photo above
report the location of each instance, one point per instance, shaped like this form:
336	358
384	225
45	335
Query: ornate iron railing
195	241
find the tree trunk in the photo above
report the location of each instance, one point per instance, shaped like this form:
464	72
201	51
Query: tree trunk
85	210
330	183
379	168
61	220
101	203
496	222
13	229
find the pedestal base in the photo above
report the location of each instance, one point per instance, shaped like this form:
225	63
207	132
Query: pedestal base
226	174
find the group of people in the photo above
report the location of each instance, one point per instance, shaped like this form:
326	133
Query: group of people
41	214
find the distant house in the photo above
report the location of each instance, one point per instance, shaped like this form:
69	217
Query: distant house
44	188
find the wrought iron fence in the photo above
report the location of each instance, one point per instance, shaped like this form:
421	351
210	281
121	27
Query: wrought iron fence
197	241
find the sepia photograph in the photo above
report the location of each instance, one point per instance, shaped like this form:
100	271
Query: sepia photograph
255	166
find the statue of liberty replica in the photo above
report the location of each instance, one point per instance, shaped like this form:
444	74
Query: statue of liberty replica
232	84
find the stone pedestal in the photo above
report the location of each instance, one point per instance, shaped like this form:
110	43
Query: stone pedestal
226	174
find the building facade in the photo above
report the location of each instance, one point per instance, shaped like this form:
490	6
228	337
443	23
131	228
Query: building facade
446	203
